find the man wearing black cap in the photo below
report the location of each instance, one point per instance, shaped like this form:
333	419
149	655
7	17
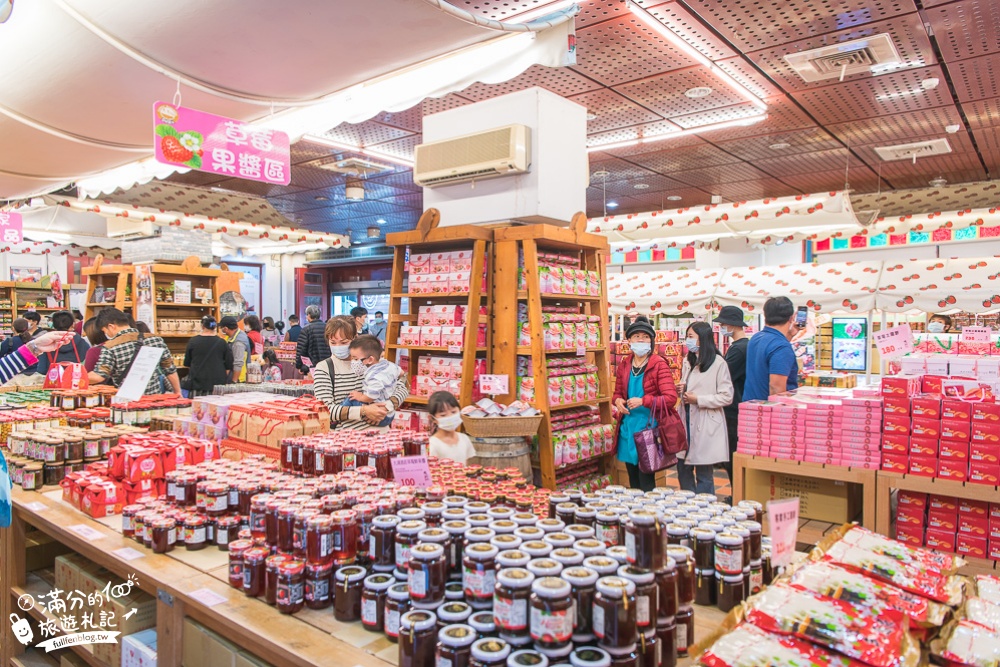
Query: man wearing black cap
239	343
730	321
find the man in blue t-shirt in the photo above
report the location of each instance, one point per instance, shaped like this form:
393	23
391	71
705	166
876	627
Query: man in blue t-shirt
771	364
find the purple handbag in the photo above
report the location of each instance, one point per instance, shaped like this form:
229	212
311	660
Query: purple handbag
658	444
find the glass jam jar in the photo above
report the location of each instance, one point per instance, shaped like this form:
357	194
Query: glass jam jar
237	552
604	566
258	516
164	534
128	519
545	567
685	630
318	579
254	571
479	574
645	540
373	599
417	638
559	540
646	600
428	574
456	529
583	582
684	559
615	613
666	584
406	539
347	593
551	615
678	534
551	525
454	647
397	603
484	624
382	543
226	530
537	548
590	657
195	532
345	534
512	558
319	539
666	634
730	590
729	554
510	602
291	586
216	499
607	528
271	565
453	612
567	557
489	652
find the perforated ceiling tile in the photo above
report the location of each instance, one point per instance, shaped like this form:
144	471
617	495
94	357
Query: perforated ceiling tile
690	28
409	119
367	133
966	29
596	11
862	179
668	160
748	75
652	146
499	10
400	147
434	105
955	167
560	80
752	190
783	115
613	110
196	178
976	78
257	188
657	201
897	128
618	170
920	180
718	115
898	92
784	143
726	173
983	113
626	187
751	24
801	163
644	130
907	34
664	94
624	50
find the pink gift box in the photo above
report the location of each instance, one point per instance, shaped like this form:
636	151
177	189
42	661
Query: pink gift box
409	336
430	336
419	284
451	336
441	262
420	263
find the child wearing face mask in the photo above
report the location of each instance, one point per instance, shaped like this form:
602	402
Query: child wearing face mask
447	442
378	375
939	324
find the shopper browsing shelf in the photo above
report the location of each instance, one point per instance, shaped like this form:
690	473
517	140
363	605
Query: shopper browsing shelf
209	359
378	375
707	390
271	367
292	335
240	345
378	327
74	351
771	364
26	355
97	340
253	332
120	351
270	334
20	337
731	323
312	346
334	379
642	378
446	441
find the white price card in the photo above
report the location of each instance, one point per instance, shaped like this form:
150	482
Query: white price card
783	521
134	385
411	471
894	342
128	553
975	335
581	351
207	597
36	506
454	349
494	385
86	532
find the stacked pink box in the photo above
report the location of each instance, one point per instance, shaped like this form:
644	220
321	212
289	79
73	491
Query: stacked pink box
861	435
824	422
789	435
754	428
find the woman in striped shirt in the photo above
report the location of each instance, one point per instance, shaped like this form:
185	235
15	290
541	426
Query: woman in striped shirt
27	354
333	380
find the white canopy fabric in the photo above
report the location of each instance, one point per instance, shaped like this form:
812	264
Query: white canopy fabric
941	285
824	288
80	76
681	291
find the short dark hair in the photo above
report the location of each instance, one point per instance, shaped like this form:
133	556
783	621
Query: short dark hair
778	310
32	316
359	311
707	351
93	334
77	314
112	316
229	322
440	400
379	312
208	322
142	328
945	318
293	318
63	320
252	323
268	322
271	357
368	344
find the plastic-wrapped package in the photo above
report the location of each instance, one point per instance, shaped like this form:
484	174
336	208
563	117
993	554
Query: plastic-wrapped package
983	612
837	582
971	644
749	646
926	558
988	587
876	639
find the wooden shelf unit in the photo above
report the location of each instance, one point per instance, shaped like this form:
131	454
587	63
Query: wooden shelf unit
511	243
113	276
13	296
428	237
8	306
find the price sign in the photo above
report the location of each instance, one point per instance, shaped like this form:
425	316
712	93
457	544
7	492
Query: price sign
207	597
975	335
454	349
134	385
494	384
411	471
128	553
894	342
783	520
581	351
86	532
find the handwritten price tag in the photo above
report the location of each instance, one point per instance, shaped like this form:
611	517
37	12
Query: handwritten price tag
207	597
494	384
36	506
975	335
783	520
86	532
128	553
894	342
411	471
454	349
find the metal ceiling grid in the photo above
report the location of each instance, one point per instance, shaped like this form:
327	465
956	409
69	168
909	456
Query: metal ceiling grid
687	26
408	119
982	113
258	188
402	148
783	115
862	179
618	170
656	129
625	49
988	140
804	140
717	115
751	190
750	23
626	188
438	104
657	201
367	133
907	33
903	173
724	173
898	92
897	128
749	76
616	111
960	142
965	29
499	10
664	94
560	80
976	78
800	163
599	11
684	159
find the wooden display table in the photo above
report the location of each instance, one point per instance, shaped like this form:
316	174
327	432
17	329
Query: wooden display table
887	481
866	478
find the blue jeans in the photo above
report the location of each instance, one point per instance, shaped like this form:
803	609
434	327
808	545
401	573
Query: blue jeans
705	473
354	404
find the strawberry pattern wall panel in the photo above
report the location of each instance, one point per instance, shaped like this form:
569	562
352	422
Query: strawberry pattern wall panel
663	292
942	285
825	288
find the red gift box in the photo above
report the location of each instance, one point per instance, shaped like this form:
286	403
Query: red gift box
995	511
901	385
968	545
954	449
984	431
895	463
955	470
931	384
925	428
912	499
896	424
102	498
910	534
147	488
953	409
994	549
896	405
979	526
927	447
911	515
926	406
955	429
979	508
994	528
896	443
923	466
981	452
986	412
940	503
984	473
940	520
941	540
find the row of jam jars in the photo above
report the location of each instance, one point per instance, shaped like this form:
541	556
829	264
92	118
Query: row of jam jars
428	574
405	539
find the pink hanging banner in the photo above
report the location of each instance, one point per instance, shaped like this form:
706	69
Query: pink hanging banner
11	227
219	145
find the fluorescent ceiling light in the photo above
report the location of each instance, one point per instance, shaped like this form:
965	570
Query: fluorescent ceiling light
679	133
550	8
680	44
344	146
42	235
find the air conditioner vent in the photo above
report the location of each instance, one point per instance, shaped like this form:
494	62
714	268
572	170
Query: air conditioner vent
497	152
844	59
915	150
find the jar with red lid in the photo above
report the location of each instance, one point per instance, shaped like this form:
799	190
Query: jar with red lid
195	532
383	464
128	519
141	522
302	516
406	538
216	499
271	564
397	603
254	571
245	491
318	585
456	547
163	535
319	538
288	452
307	453
345	534
226	531
274	503
291	586
171	479
258	515
187	490
237	553
285	524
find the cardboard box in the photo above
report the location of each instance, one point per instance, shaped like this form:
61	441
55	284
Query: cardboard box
984	473
896	443
928	407
907	514
925	428
910	534
978	508
986	412
895	462
897	424
204	648
139	649
951	449
981	452
954	409
940	541
955	429
983	431
912	499
901	385
896	405
994	549
925	447
942	521
955	470
973	525
976	547
923	466
945	504
820	499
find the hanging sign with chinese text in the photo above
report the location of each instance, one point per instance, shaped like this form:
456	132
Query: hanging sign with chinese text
11	227
219	145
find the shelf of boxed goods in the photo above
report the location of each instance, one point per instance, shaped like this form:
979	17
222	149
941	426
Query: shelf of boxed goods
433	252
181	590
114	276
516	251
6	306
186	317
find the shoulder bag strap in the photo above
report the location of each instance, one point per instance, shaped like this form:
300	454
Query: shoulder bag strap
76	351
132	361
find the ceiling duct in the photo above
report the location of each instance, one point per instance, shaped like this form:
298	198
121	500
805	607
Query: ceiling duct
914	150
354	166
844	59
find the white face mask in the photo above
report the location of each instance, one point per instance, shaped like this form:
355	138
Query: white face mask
340	351
449	423
358	367
935	327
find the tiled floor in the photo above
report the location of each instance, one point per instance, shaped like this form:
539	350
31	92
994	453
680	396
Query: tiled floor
722	487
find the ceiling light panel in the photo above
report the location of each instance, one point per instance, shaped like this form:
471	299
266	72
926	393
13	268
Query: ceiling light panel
664	94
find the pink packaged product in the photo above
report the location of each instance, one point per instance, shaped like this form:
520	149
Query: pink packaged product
523	334
555	390
461	260
460	282
420	263
419	284
526	389
430	336
553	336
444	315
441	262
451	336
438	283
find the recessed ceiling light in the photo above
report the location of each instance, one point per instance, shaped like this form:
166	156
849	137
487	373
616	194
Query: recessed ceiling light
641	186
674	198
930	83
781	145
698	91
938	182
600	174
612	204
321	198
591	116
381	221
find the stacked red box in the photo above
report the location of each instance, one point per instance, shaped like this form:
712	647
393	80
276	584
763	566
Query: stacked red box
754	428
911	517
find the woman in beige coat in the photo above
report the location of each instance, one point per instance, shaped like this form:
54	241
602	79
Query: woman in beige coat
707	390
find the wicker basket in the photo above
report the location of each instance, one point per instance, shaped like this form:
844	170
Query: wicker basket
501	427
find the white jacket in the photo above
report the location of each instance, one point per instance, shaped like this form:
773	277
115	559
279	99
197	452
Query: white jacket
708	439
